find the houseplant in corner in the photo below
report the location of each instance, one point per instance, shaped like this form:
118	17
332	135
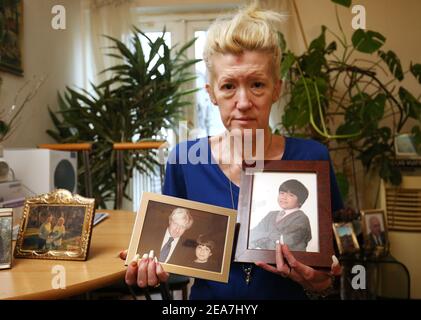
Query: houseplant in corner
143	95
343	101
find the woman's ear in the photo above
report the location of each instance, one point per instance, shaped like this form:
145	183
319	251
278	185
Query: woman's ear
209	89
277	91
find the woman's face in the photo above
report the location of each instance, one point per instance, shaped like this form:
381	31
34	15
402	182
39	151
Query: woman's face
244	88
287	200
203	253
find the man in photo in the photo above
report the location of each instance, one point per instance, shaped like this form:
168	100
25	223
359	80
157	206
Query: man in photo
172	246
376	236
44	232
290	225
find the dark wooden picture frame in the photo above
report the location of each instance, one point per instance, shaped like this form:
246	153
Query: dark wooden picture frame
11	28
323	256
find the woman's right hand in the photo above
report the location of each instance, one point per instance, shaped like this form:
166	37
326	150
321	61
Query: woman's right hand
145	271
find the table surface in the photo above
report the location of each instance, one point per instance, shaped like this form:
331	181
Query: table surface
33	278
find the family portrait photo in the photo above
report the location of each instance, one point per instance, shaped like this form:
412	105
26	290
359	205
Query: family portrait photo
54	228
192	238
56	225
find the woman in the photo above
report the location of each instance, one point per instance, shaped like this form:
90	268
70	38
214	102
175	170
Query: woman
242	56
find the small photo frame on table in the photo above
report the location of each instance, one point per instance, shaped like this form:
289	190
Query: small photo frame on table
405	146
374	227
346	238
187	237
56	225
6	222
287	201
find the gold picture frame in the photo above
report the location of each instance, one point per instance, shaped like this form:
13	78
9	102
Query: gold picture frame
346	238
205	227
6	224
56	225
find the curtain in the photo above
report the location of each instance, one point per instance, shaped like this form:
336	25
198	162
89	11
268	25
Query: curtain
103	17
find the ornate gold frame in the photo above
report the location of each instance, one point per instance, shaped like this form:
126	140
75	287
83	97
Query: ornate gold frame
59	197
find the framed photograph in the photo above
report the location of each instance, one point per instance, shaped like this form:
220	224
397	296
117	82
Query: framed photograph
374	229
345	238
187	237
56	225
405	146
287	201
11	35
6	221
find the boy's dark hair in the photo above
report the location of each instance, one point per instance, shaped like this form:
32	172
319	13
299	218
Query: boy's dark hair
296	188
204	240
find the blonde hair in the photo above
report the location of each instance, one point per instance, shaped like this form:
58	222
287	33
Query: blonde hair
251	29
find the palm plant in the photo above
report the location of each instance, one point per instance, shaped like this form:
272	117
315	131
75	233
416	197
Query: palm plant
143	95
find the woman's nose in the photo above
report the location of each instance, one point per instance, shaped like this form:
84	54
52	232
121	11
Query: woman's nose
243	102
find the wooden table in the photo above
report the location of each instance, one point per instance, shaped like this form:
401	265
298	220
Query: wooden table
32	278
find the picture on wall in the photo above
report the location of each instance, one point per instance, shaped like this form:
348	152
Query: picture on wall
11	35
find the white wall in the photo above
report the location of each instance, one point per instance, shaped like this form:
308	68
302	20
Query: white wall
46	52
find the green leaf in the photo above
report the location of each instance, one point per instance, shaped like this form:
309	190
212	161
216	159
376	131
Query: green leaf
416	71
345	3
367	41
393	63
286	64
319	43
411	105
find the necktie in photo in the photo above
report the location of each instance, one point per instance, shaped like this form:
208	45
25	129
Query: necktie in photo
165	251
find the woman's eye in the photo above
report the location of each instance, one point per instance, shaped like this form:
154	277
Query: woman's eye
228	86
258	85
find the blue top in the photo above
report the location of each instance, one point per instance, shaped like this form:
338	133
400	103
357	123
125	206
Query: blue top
204	181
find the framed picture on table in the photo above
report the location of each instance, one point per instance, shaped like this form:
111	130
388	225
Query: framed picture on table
186	237
346	238
56	225
6	221
374	227
287	201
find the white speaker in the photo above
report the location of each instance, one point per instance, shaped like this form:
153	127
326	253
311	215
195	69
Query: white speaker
43	170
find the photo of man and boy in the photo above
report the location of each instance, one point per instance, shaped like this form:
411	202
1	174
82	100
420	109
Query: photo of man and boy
184	237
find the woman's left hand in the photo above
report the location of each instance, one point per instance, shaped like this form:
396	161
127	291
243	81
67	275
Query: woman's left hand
310	278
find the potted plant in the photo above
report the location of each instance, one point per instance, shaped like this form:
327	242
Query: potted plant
342	101
143	95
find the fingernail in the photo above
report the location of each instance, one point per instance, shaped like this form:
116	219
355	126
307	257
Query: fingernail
277	242
136	257
145	256
155	259
151	254
335	260
281	239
